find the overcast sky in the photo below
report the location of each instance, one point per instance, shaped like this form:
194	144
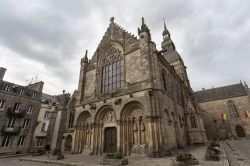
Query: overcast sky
47	38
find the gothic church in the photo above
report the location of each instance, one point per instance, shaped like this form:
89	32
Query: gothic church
133	98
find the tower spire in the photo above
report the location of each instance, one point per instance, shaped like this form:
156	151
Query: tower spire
165	27
165	32
86	54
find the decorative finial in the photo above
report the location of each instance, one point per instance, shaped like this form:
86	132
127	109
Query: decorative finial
165	27
112	19
63	91
142	20
86	54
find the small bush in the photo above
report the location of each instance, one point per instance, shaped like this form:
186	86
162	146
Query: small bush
185	157
118	156
114	156
109	156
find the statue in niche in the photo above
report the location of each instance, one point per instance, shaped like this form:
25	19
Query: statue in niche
135	132
109	117
143	140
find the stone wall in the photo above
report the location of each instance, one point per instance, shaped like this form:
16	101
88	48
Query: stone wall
90	84
216	127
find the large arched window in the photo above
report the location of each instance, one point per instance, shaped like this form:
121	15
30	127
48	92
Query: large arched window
112	71
232	110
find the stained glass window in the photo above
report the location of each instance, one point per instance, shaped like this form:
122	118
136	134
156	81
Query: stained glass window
112	71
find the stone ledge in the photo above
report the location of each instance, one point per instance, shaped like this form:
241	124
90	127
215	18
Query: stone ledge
55	162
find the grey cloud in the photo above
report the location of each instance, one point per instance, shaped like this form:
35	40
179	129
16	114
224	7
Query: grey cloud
213	36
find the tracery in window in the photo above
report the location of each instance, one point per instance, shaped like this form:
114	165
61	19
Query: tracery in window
112	71
232	110
193	121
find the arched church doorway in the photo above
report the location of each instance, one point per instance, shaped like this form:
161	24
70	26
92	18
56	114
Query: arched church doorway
68	143
83	133
133	126
110	140
105	140
240	131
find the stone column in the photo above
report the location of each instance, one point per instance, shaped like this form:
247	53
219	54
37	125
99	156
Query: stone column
92	136
118	122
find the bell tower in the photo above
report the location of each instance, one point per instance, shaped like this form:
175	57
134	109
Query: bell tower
172	56
167	43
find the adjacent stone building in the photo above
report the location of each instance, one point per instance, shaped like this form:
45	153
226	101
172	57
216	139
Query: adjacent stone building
132	98
19	108
226	111
51	121
48	107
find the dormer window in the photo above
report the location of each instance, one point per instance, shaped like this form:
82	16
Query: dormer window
21	92
113	71
7	88
33	95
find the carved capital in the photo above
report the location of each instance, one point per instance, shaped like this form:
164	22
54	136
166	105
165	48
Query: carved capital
92	106
118	101
150	92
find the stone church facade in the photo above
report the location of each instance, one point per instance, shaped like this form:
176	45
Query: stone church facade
132	98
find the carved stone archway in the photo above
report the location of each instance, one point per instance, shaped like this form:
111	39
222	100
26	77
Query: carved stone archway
133	129
83	133
105	118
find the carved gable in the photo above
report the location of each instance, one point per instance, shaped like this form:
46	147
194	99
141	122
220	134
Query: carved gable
118	35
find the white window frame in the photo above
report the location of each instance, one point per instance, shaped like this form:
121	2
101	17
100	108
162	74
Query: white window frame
26	123
21	141
47	115
6	141
30	109
7	88
40	142
34	94
21	92
2	104
17	107
11	122
43	128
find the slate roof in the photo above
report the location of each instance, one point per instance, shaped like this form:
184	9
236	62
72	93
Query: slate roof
223	92
172	56
48	98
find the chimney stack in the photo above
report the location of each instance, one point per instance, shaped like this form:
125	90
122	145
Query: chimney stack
2	72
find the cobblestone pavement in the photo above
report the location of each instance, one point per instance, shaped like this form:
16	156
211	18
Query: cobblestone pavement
242	149
14	161
198	152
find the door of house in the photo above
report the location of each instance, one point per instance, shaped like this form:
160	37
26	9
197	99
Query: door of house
110	140
240	131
